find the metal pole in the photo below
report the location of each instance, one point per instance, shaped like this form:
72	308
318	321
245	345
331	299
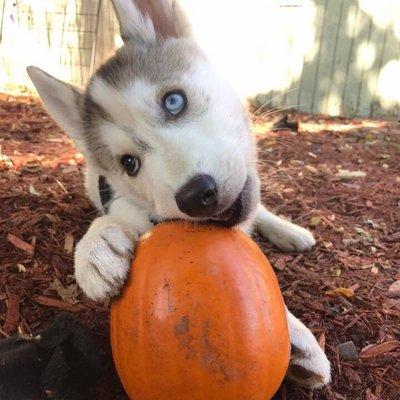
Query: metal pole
94	48
2	20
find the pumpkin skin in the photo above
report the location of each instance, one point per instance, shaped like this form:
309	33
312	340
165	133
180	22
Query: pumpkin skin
201	318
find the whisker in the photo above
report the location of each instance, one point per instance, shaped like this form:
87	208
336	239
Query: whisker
273	98
281	141
106	205
277	109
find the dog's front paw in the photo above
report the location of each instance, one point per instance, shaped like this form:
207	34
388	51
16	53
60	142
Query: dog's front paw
289	237
103	258
309	365
309	368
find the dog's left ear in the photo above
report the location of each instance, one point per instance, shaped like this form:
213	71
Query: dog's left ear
62	101
151	20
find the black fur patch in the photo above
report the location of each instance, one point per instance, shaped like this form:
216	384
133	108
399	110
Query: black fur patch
105	193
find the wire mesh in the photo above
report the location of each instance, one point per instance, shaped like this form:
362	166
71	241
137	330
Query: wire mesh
69	28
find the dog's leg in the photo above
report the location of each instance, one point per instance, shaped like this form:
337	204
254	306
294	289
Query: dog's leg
103	257
309	365
283	234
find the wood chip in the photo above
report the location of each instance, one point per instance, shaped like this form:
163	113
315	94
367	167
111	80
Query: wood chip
12	316
376	350
20	244
394	289
56	303
394	237
280	264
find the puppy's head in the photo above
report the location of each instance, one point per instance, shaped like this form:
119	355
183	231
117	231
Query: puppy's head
159	122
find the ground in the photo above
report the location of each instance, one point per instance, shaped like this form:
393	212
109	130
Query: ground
339	177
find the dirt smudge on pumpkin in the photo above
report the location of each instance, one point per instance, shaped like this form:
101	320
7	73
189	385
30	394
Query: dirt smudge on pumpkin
182	327
185	339
211	357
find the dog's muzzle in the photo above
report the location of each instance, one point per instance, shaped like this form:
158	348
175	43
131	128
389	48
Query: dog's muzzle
238	211
199	198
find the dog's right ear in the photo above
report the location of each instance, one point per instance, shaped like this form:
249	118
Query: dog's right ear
151	20
61	100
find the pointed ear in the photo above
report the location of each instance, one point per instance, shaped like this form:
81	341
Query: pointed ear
150	20
61	100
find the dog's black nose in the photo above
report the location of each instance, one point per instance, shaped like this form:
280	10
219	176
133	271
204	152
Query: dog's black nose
198	197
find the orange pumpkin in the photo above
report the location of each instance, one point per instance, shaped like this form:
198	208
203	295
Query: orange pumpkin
201	318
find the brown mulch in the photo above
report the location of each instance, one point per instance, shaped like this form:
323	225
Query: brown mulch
344	290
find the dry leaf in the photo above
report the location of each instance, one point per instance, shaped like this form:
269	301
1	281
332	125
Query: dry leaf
314	221
336	271
348	242
20	244
338	229
33	191
69	294
311	169
372	223
345	174
362	232
375	350
69	243
340	291
21	268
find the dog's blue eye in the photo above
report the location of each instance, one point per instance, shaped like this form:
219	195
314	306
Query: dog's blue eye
174	102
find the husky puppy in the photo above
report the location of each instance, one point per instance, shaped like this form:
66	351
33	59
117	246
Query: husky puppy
165	137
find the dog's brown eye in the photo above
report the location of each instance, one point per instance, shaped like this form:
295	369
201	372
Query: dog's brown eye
131	164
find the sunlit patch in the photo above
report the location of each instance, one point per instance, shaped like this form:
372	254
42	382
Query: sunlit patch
388	86
334	104
366	54
262	129
383	12
354	23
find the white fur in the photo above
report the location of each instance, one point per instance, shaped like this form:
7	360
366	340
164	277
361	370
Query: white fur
60	101
283	234
311	357
214	141
132	22
102	258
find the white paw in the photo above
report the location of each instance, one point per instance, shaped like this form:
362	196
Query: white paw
103	258
288	237
309	365
309	368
